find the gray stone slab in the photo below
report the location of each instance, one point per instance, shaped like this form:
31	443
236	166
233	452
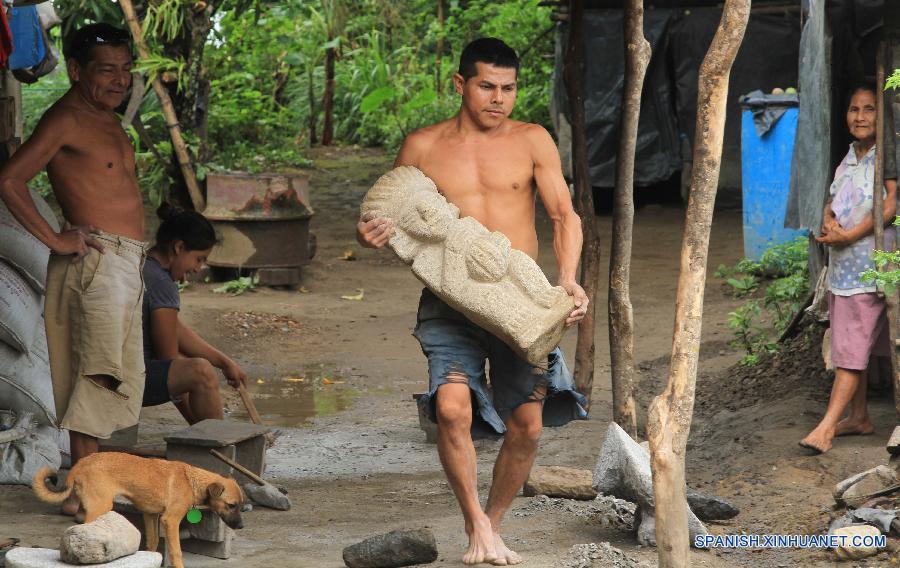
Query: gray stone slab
49	558
623	470
109	537
212	433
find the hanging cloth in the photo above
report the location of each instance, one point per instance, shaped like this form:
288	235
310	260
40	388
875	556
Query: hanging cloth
28	37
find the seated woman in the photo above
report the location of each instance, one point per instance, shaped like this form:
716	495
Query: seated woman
181	366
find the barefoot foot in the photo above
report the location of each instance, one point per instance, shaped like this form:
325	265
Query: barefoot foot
818	444
847	428
481	543
505	556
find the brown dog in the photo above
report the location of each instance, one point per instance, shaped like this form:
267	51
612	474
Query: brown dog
158	488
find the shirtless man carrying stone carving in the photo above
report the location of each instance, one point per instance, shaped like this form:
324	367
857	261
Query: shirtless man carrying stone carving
94	285
489	166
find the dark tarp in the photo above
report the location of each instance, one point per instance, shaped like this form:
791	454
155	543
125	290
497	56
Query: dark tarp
679	39
658	155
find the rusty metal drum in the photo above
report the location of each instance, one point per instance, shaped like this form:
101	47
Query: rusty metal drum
262	220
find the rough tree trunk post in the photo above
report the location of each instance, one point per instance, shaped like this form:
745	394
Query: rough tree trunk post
438	73
669	419
890	299
621	320
584	198
328	96
171	118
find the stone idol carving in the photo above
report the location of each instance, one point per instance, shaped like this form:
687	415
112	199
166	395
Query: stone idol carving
475	271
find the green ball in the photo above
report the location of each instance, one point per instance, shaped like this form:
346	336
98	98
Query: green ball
790	90
194	516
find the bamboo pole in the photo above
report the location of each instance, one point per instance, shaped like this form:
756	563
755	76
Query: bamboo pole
669	418
171	118
584	199
621	318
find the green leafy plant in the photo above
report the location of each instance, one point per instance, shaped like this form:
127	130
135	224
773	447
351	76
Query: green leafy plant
744	285
783	274
238	286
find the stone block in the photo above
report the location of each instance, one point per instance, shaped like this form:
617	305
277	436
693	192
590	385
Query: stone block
49	558
244	443
396	548
623	470
475	271
559	481
850	552
124	438
109	537
857	488
221	550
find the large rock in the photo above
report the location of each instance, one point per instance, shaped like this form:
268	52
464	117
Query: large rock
850	552
859	487
109	537
475	271
623	470
396	548
709	507
559	481
49	558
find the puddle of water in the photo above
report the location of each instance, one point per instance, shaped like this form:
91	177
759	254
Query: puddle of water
292	400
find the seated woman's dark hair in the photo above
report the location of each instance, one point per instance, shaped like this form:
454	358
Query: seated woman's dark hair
189	227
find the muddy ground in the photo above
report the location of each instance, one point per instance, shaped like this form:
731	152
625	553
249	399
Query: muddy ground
337	377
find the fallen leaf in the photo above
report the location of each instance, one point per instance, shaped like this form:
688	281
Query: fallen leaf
303	290
260	382
327	381
357	297
348	255
294	379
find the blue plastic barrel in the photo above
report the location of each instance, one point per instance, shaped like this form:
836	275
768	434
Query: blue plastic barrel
766	177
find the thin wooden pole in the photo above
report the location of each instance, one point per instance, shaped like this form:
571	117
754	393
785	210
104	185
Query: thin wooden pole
584	199
621	318
669	418
891	299
171	118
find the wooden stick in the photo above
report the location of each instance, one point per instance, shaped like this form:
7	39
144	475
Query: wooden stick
670	414
248	404
171	118
252	476
621	317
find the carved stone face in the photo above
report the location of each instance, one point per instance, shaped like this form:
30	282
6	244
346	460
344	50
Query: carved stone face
429	217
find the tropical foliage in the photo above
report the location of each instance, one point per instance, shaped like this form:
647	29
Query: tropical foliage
256	83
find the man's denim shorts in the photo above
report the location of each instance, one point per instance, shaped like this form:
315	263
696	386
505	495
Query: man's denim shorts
453	344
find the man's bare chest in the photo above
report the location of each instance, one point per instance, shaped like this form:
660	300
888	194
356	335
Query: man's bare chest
468	174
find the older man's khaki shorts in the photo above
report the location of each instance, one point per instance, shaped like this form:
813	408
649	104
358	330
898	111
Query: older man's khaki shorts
93	319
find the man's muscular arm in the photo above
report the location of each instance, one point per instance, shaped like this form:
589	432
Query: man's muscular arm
48	138
567	236
373	230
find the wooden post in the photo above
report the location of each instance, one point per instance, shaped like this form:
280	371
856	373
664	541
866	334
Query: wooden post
171	118
584	198
669	419
891	300
621	319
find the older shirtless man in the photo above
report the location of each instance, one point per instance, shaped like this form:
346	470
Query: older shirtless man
490	166
94	286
